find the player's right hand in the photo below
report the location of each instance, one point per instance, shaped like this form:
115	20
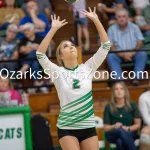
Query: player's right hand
56	23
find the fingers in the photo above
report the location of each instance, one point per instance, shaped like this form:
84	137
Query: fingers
94	10
63	21
52	17
63	24
84	13
58	18
90	9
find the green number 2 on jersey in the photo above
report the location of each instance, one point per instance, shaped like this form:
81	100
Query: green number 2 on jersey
76	84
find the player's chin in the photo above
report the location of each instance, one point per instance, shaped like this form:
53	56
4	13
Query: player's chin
73	54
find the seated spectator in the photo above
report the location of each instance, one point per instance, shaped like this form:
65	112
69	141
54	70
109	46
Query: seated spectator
109	7
139	4
44	6
144	107
39	20
8	96
82	23
8	48
10	14
1	3
121	119
143	20
126	36
27	50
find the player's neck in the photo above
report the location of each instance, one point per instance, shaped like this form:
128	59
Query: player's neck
70	64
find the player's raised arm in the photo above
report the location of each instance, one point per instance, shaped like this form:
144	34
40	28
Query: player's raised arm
56	25
98	58
93	16
46	64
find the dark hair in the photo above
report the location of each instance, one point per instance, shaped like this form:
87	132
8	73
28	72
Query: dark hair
107	2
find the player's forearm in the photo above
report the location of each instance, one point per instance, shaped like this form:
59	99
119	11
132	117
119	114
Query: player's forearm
45	43
101	31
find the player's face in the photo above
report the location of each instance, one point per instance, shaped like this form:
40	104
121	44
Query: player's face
68	50
119	91
122	18
4	84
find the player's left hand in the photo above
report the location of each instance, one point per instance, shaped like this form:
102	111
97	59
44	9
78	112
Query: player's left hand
90	14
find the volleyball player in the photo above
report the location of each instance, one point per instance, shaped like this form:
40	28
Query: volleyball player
76	122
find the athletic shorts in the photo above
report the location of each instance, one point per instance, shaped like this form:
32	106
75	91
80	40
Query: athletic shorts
82	21
80	134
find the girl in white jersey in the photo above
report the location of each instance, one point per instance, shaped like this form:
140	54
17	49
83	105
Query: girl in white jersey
76	122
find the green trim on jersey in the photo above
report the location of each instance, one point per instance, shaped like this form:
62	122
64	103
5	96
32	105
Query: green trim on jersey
72	69
40	56
78	113
78	101
106	45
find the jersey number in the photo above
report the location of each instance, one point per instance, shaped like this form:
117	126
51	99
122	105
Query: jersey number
75	84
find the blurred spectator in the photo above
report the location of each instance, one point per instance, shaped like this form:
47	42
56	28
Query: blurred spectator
10	13
82	23
8	48
27	49
1	3
126	36
8	96
121	119
143	21
109	7
139	4
144	106
44	7
39	20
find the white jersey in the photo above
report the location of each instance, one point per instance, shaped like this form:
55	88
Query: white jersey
75	89
144	107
